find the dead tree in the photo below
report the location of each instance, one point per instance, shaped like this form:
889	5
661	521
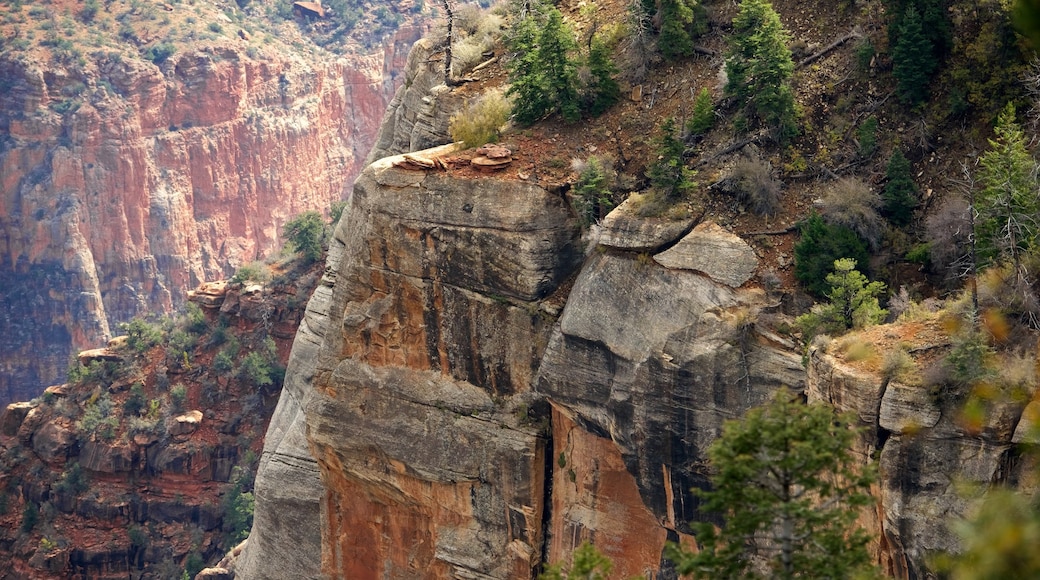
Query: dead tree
449	8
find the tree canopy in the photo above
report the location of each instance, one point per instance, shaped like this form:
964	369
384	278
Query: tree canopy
789	491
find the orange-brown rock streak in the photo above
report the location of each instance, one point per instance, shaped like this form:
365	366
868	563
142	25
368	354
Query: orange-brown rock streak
595	499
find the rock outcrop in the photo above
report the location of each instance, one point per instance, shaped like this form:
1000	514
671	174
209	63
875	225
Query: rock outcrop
134	469
123	183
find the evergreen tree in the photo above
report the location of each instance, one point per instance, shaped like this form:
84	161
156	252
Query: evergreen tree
669	175
817	249
677	17
789	490
900	194
703	118
1007	205
853	302
913	61
759	68
587	563
554	44
591	193
603	91
527	82
542	76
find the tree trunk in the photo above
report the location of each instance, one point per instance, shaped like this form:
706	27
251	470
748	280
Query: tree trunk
449	8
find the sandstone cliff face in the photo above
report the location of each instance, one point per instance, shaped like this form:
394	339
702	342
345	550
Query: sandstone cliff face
154	178
927	456
462	426
455	407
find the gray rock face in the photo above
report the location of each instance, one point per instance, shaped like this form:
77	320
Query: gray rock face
440	328
654	360
924	456
417	118
713	251
285	540
623	230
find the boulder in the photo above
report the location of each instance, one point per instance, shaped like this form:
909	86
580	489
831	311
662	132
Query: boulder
185	424
209	294
713	251
98	355
624	230
13	416
53	442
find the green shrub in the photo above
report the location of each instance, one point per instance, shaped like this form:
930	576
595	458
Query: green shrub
900	194
215	27
141	335
73	481
97	417
305	234
703	118
178	396
591	198
159	53
252	272
818	247
138	537
193	564
30	516
480	121
89	11
136	402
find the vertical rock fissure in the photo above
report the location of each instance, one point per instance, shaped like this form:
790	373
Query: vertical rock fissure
547	491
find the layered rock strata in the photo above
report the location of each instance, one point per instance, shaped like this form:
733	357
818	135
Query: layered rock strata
123	184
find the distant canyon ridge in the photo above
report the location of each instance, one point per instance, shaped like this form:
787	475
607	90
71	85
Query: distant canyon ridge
124	183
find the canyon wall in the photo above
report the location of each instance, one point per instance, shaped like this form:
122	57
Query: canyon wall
472	396
123	184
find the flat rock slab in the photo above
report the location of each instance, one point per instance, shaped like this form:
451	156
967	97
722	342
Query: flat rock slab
713	251
624	230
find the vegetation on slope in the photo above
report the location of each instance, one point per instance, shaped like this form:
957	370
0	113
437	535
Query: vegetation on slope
162	431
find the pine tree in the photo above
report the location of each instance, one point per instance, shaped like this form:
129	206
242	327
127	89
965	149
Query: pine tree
669	175
526	79
759	68
817	249
1007	205
900	195
703	118
789	491
305	234
912	59
554	44
853	302
677	17
603	91
543	77
591	197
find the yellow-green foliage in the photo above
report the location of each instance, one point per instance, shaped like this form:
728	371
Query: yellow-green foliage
481	121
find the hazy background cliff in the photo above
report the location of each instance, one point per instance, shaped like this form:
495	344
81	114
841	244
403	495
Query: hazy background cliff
146	148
